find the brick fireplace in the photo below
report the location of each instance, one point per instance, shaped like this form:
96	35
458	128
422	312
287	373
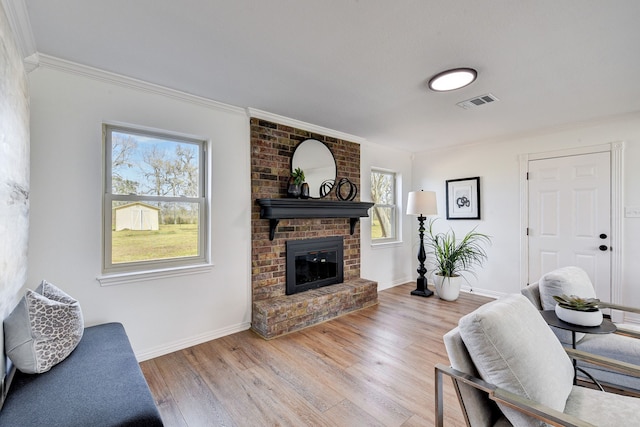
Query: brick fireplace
274	313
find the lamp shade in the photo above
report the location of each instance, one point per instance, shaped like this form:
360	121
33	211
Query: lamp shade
422	203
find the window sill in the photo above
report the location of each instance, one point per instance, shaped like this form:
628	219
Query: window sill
141	276
388	244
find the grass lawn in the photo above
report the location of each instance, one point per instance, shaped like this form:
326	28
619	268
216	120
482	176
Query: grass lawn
376	230
170	241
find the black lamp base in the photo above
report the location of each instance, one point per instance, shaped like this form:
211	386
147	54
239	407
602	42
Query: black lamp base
421	282
425	293
421	289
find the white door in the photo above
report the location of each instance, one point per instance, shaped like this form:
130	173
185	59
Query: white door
570	217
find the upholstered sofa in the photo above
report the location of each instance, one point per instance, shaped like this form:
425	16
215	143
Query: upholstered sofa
99	384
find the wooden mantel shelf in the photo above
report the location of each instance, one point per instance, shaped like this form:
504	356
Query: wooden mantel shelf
276	209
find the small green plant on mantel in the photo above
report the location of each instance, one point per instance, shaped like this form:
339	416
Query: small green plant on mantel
298	176
577	303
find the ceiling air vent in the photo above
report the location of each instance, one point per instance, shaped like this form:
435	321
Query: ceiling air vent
478	101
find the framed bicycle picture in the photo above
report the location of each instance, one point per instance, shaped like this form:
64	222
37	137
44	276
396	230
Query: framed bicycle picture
463	198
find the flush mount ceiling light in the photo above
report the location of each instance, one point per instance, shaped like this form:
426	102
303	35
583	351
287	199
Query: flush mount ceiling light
452	79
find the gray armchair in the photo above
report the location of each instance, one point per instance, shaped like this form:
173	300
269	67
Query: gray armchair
508	368
623	345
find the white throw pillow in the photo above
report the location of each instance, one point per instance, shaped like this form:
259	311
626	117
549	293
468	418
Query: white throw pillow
513	348
43	329
567	281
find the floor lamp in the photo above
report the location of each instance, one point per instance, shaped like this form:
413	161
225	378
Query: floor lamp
422	203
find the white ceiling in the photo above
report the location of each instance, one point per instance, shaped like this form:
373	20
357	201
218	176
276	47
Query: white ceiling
361	66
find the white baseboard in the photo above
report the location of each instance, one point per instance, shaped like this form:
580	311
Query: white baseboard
382	287
631	318
191	341
482	292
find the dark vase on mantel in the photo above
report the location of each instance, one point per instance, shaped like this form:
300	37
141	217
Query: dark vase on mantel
293	189
304	191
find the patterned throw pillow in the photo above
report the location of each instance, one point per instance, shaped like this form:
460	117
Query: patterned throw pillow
43	329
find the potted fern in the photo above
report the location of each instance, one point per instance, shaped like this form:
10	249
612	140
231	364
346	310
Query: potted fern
453	257
577	310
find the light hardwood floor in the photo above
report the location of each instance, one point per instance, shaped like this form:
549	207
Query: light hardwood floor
373	367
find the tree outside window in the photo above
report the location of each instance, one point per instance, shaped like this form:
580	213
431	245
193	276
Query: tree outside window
383	194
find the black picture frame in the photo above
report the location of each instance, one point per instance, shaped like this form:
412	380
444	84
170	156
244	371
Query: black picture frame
463	198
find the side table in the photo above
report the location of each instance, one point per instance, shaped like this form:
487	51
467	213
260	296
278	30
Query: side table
606	327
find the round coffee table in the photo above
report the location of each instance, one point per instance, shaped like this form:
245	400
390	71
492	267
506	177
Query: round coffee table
606	327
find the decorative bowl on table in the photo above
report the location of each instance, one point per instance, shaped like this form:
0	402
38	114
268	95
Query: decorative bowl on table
578	311
582	318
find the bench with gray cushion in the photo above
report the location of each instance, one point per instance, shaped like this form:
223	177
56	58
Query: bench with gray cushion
623	346
99	384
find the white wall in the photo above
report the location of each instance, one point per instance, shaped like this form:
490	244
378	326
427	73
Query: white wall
14	169
497	165
14	176
68	107
388	264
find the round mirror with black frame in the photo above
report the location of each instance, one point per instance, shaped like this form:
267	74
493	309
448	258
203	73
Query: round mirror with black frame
318	164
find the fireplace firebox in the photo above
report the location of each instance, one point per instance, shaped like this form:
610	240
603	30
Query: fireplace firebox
313	263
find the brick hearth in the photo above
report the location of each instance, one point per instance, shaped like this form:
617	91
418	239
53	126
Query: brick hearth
280	315
275	313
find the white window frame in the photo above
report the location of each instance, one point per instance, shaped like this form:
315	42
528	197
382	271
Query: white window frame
394	206
139	270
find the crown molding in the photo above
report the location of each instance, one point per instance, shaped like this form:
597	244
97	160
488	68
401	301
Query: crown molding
264	115
51	62
18	18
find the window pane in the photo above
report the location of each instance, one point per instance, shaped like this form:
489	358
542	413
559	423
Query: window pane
155	205
382	188
153	231
147	165
383	194
383	223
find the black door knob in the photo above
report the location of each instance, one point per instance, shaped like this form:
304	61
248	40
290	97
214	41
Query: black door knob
603	236
603	247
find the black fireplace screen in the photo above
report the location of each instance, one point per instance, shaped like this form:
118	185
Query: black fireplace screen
313	263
